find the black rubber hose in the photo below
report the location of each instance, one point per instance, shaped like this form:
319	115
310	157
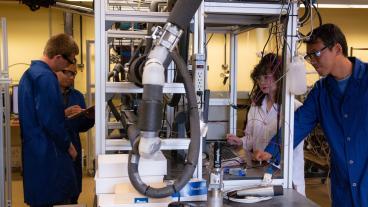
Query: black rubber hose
118	68
193	151
307	10
183	12
116	113
318	14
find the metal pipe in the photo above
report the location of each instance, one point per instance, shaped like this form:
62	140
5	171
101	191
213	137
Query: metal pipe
68	24
90	153
74	9
81	39
50	22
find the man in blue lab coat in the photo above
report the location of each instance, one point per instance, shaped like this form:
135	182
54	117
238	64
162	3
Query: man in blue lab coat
339	102
47	150
74	104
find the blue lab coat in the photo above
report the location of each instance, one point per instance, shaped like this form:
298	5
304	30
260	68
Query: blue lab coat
75	126
344	120
48	172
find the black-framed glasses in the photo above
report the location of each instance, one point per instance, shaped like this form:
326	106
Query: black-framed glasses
314	54
70	74
69	60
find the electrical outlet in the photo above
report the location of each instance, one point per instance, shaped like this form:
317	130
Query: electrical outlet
198	63
199	80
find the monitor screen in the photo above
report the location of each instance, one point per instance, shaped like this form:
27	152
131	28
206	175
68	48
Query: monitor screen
14	99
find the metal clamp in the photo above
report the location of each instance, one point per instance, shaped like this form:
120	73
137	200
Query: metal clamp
170	36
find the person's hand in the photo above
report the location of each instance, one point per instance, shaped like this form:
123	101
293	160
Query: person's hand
72	151
90	114
261	155
233	140
72	110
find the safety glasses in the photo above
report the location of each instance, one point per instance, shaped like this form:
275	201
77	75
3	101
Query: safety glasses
314	54
69	73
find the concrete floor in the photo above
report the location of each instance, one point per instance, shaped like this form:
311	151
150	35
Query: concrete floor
316	191
86	197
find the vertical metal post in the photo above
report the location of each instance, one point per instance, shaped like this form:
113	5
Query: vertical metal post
5	148
195	33
198	49
233	81
2	153
90	150
201	40
170	110
50	22
100	66
288	98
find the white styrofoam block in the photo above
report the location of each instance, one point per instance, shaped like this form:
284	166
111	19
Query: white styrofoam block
116	165
127	194
125	188
107	185
111	200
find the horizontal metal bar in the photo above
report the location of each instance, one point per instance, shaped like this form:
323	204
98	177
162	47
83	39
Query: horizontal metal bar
219	102
166	144
232	19
244	8
134	16
127	34
128	87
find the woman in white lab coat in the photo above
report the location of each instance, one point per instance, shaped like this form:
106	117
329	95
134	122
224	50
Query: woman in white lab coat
263	115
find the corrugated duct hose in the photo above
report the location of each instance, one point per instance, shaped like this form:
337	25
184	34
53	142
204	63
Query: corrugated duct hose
150	111
193	151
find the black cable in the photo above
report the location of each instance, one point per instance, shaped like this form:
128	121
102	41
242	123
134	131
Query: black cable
318	14
209	39
306	14
268	39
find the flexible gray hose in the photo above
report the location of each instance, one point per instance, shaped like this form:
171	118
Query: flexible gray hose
183	12
193	151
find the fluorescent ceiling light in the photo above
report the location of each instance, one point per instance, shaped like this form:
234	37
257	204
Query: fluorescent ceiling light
341	6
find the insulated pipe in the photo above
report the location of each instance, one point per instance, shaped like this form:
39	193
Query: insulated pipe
153	79
193	151
183	12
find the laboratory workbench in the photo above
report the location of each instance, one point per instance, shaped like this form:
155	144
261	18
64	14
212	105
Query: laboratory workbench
290	199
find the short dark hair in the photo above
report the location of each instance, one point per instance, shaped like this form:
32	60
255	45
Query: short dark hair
270	63
61	44
330	34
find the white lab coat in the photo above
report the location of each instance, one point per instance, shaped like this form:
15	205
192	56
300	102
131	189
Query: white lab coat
261	127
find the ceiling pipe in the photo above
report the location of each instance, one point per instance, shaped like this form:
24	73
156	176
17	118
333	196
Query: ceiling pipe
68	23
74	9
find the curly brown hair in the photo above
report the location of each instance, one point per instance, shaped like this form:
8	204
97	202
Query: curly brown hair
269	64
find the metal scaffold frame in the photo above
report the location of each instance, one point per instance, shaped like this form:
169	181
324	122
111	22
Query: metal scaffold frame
5	139
210	12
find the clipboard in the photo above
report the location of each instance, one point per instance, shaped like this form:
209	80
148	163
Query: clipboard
90	109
